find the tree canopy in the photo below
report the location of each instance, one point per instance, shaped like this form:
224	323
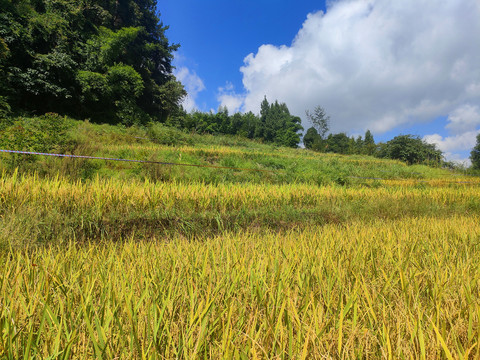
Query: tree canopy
108	60
475	154
411	149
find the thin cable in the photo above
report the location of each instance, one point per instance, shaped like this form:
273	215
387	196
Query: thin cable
130	160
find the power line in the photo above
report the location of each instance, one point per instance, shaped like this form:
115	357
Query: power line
132	160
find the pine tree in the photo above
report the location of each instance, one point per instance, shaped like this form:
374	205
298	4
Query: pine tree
310	138
369	143
475	154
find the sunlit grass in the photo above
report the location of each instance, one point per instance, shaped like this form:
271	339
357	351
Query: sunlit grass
37	211
385	289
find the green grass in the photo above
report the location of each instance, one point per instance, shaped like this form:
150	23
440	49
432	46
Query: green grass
287	165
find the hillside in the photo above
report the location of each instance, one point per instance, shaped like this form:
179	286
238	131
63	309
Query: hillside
315	254
52	133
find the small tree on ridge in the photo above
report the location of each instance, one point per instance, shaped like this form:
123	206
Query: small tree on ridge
320	121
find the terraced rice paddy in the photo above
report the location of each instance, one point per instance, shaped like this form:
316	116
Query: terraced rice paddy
239	266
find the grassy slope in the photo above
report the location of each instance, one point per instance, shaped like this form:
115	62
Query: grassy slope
288	165
95	199
303	262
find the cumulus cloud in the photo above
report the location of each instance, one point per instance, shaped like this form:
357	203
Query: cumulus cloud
463	124
464	119
450	144
374	64
227	97
192	83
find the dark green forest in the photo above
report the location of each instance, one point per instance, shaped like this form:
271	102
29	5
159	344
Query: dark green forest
109	61
106	60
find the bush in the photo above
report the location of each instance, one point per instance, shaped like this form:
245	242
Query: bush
47	133
411	149
39	134
4	107
165	135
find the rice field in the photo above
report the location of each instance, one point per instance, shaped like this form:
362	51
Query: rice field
227	265
406	288
37	210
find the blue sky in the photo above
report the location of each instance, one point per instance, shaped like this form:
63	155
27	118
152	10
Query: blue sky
215	36
394	67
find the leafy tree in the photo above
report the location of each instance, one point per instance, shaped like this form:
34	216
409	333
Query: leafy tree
320	120
359	145
248	125
475	154
105	59
235	124
340	143
411	149
223	120
310	137
289	136
369	143
278	125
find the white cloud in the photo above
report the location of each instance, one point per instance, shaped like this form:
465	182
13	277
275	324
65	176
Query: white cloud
463	119
450	144
463	123
192	83
374	64
227	97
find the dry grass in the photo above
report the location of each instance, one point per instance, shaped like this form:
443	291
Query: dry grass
38	211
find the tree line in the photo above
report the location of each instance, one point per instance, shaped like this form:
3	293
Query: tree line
273	125
409	148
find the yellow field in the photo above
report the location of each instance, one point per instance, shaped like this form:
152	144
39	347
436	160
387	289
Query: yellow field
404	288
130	269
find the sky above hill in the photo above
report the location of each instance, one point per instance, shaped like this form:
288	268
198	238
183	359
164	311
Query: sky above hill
394	67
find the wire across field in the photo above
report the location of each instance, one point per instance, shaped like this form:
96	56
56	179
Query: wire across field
322	260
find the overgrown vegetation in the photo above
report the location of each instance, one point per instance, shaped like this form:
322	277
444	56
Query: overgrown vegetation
105	60
157	142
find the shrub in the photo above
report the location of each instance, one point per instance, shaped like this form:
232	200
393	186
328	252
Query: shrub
166	135
47	133
411	149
